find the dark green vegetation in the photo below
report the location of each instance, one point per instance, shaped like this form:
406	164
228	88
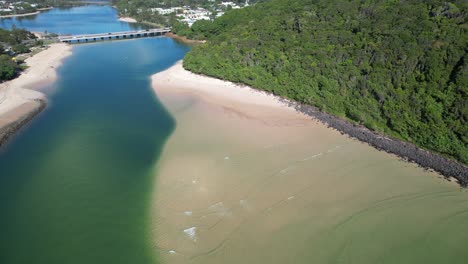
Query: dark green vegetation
8	67
397	67
13	42
200	30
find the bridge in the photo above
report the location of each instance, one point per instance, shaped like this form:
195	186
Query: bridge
73	39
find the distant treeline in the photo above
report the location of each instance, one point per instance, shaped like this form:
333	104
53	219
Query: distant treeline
59	3
397	67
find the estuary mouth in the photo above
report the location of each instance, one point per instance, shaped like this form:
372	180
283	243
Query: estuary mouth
252	182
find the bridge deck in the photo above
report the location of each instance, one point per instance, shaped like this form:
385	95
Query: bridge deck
114	35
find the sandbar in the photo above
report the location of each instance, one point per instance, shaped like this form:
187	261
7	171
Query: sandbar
128	19
247	178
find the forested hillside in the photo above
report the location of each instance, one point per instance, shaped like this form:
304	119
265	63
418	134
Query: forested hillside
397	67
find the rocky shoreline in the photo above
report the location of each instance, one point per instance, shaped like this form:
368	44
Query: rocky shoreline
11	128
448	168
407	151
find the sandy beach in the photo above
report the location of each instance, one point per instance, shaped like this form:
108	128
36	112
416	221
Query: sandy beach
178	80
450	169
128	19
21	93
246	177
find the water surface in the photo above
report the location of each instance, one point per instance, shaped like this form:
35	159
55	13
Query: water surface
75	183
77	20
259	185
93	180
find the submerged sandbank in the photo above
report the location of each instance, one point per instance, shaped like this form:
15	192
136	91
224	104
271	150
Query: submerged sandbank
246	178
19	101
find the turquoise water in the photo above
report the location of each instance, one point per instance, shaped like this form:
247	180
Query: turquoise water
75	183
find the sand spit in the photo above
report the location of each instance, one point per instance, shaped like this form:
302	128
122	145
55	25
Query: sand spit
18	102
128	19
178	80
218	88
246	178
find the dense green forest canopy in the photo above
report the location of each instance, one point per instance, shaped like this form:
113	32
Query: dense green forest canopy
397	67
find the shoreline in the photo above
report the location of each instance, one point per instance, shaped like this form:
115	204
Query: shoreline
128	19
31	110
184	39
27	14
213	88
243	164
20	101
448	168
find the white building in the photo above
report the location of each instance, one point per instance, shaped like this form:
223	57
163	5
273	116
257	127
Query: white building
232	4
166	11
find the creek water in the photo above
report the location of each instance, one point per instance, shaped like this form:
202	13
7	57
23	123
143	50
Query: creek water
75	183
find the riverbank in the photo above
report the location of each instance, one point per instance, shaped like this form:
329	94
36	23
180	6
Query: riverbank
133	20
184	39
213	88
27	14
128	19
19	100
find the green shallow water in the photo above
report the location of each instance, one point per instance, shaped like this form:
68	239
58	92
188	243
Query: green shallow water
75	184
256	188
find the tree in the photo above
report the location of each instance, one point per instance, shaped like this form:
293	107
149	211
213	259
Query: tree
399	67
20	48
7	67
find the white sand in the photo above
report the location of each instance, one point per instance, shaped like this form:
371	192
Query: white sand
127	19
41	71
178	80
